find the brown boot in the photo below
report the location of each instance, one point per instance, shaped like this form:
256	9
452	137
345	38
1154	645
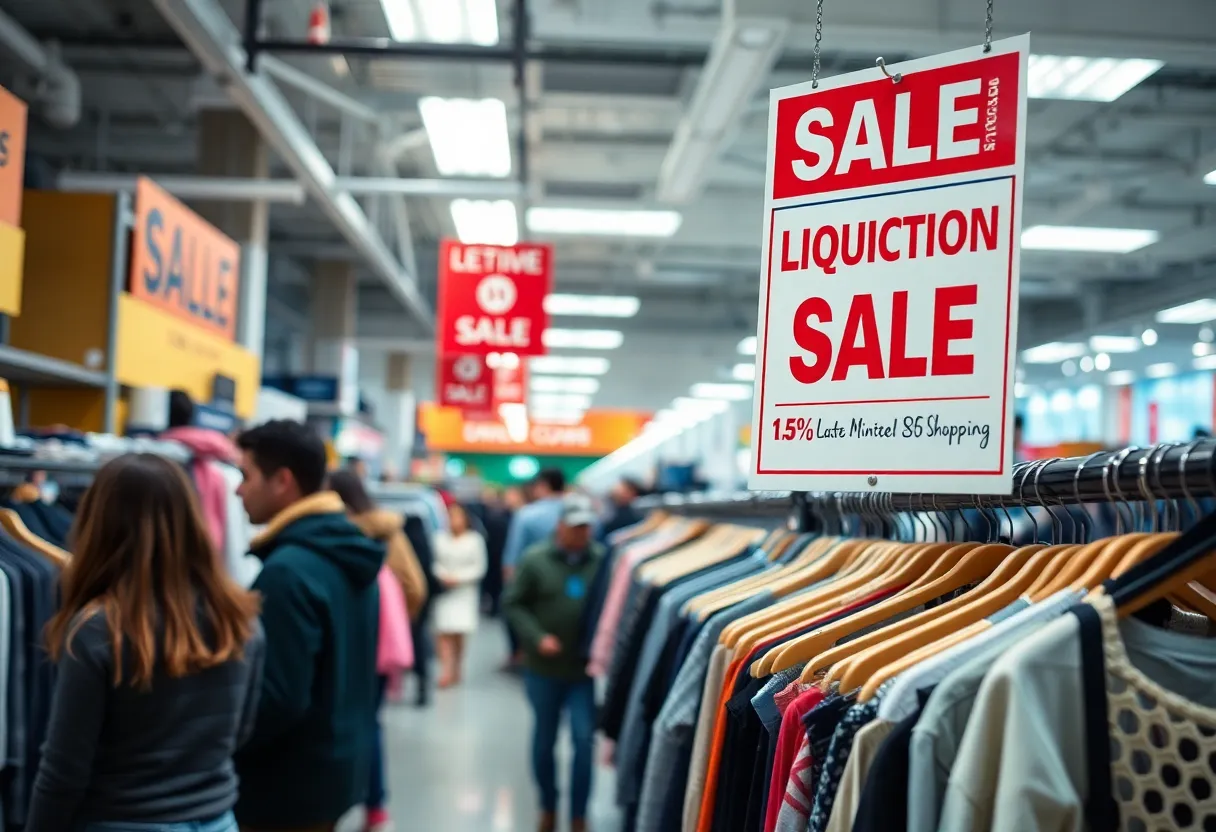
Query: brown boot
548	822
578	825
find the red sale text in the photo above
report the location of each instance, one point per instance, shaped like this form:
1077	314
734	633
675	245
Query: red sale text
910	237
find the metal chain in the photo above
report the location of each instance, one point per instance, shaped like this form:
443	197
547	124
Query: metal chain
988	28
819	41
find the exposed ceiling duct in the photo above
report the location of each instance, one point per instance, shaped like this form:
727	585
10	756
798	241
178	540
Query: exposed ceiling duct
739	63
50	85
206	29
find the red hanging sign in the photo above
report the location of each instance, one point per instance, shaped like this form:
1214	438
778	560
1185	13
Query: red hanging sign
492	298
465	382
511	384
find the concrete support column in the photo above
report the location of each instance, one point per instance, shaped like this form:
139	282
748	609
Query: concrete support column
334	305
399	411
229	145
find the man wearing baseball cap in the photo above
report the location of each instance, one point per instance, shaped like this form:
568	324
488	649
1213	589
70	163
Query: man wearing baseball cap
544	603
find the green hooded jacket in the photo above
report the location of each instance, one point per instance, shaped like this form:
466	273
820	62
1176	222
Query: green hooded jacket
308	758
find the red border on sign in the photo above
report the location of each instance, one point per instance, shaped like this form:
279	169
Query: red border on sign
768	288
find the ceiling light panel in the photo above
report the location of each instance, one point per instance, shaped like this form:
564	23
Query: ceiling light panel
1053	353
1206	362
559	401
593	306
1085	79
744	372
727	392
1086	239
569	365
603	222
442	21
1114	343
1210	177
583	339
565	384
1196	312
486	221
1120	378
1163	370
748	345
469	137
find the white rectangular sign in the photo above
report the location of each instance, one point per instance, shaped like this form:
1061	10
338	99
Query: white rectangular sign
889	299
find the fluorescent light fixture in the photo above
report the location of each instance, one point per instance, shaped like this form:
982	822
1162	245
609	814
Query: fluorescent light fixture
559	401
593	306
1196	312
1085	79
700	407
739	63
1206	362
1210	177
565	384
1200	349
442	21
604	222
1120	378
583	339
744	372
1148	337
1053	353
485	221
1086	239
748	345
1102	362
1087	364
729	392
569	365
1163	370
1114	343
468	136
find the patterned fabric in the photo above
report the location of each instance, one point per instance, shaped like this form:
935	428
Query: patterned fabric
764	701
796	808
854	720
785	697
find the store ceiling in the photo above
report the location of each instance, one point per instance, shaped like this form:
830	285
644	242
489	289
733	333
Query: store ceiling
599	133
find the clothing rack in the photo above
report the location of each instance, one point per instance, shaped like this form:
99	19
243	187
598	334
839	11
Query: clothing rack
1184	471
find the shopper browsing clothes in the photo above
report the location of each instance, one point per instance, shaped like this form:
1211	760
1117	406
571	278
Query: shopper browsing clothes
402	587
530	525
544	603
460	563
159	659
309	758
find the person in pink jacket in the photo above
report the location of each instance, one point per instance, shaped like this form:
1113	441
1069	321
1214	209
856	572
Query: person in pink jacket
207	447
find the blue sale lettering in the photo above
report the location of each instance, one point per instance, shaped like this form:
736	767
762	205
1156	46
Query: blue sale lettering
154	223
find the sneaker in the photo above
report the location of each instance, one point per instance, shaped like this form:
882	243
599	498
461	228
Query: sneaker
378	820
548	822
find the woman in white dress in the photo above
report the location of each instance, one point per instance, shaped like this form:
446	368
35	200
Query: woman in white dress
460	564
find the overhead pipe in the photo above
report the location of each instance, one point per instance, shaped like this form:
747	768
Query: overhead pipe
53	87
307	84
233	189
206	30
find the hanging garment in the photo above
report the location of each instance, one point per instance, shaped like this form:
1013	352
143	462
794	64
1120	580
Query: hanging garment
395	647
208	447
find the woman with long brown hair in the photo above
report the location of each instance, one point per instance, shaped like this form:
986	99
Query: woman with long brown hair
159	664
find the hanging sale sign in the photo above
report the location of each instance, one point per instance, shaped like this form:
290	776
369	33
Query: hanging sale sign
492	298
889	301
511	384
465	382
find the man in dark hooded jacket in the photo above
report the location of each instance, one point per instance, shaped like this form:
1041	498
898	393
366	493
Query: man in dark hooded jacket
307	761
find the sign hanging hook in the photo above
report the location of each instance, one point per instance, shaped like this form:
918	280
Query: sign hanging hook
818	44
988	27
881	64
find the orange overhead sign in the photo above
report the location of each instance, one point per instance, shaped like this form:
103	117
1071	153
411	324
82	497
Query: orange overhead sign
182	263
12	156
599	433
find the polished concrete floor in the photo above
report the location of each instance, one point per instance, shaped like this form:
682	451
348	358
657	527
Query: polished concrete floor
462	764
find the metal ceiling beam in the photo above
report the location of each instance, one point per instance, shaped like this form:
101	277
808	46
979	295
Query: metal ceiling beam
310	85
207	31
289	190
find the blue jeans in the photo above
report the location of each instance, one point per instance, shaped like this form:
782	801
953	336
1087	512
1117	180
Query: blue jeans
548	697
375	790
223	823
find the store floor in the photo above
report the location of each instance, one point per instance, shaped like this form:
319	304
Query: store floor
462	765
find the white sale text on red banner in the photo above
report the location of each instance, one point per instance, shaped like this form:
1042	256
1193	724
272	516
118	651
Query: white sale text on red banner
889	300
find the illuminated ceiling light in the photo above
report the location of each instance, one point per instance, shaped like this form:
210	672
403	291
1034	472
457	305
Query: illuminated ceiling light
1149	337
603	222
1102	362
1114	343
559	401
569	365
1210	177
1120	378
1087	364
468	137
1053	353
1085	239
1163	370
485	221
1021	390
702	408
1200	349
1206	335
1069	368
593	306
729	392
442	21
744	372
1085	79
748	345
565	384
1196	312
1206	362
583	339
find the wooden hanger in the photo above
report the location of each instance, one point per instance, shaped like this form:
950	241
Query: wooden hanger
711	602
13	524
731	544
